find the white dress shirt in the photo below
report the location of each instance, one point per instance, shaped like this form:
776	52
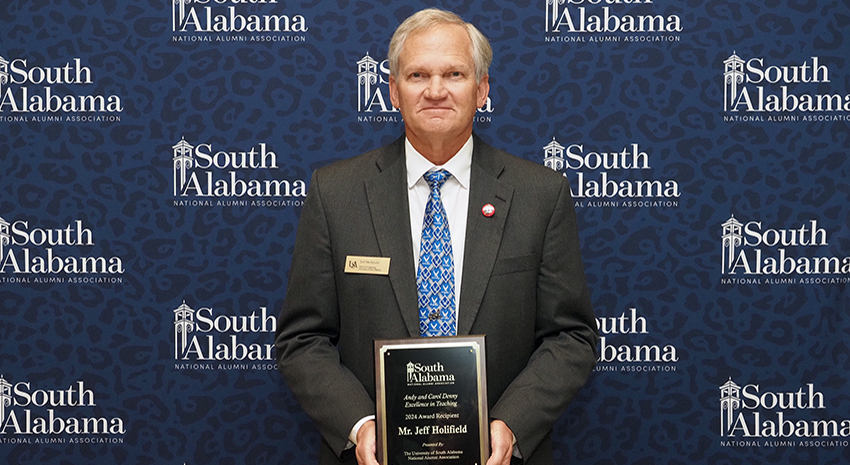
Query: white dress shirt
455	197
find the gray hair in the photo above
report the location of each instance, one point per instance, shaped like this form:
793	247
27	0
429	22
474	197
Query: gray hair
482	53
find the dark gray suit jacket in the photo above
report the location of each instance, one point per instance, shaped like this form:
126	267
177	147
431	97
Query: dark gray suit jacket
523	287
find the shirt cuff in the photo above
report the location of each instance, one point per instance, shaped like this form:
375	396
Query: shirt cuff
352	436
516	447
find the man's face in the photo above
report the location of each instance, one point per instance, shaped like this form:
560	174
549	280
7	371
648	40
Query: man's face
434	87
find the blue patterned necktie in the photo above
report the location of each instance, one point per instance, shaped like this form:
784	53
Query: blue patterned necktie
435	277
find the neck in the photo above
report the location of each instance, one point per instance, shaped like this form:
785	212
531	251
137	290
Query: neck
438	151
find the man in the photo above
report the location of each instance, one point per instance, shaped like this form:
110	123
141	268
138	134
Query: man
511	230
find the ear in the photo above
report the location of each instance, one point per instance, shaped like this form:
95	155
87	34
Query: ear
483	91
394	92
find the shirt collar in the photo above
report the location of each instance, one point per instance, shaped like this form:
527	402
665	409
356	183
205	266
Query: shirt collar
460	165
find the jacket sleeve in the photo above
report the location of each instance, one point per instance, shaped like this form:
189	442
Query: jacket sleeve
565	333
308	330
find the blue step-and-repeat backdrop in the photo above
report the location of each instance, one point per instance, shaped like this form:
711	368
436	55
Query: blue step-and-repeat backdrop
156	154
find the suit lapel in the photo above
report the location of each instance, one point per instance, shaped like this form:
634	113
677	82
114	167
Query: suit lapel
483	234
387	196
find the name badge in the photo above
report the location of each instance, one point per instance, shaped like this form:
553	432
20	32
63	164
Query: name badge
367	265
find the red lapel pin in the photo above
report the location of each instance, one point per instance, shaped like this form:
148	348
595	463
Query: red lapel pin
488	210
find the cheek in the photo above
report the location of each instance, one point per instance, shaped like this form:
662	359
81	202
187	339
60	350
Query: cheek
468	93
409	94
471	98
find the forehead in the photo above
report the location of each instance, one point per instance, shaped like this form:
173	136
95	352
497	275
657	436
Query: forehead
440	43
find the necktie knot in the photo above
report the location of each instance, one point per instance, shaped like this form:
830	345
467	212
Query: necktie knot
436	179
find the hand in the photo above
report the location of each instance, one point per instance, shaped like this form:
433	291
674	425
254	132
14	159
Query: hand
501	443
366	445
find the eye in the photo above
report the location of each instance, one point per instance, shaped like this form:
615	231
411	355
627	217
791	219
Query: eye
456	74
416	75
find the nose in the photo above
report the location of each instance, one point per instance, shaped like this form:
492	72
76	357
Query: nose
436	88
